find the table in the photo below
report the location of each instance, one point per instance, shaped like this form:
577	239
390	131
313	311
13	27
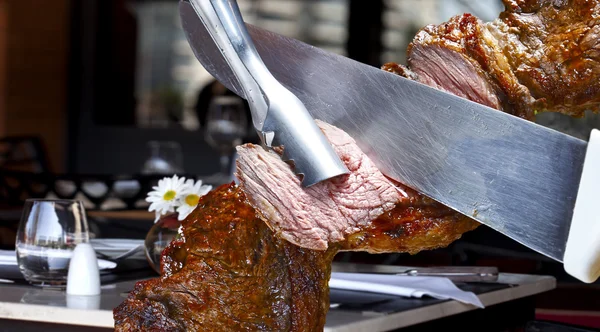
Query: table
410	312
26	308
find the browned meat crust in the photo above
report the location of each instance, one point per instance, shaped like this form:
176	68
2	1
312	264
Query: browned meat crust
415	224
540	55
230	273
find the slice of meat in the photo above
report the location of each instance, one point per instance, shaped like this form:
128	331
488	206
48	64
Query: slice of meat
363	211
445	67
540	55
229	272
323	213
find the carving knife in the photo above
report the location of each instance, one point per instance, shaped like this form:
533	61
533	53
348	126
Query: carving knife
536	185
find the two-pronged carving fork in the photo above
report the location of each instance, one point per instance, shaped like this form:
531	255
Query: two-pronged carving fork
278	115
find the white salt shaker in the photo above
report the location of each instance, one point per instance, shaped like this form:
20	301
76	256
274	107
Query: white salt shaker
89	302
84	275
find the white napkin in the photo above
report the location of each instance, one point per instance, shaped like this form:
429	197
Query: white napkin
9	257
409	286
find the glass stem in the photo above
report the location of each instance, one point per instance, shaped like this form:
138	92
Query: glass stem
225	164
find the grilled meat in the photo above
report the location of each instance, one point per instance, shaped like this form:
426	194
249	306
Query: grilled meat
415	224
229	272
539	55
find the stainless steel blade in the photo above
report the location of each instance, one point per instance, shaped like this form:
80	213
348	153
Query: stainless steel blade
455	273
515	176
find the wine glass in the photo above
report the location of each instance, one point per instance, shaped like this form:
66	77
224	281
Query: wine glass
165	158
226	125
48	233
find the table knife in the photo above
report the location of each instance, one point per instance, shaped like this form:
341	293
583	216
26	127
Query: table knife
536	185
454	273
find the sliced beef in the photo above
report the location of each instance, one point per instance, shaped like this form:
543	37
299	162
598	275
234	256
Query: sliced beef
323	213
363	211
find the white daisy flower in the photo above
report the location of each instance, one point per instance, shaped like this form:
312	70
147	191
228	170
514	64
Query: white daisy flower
190	195
164	197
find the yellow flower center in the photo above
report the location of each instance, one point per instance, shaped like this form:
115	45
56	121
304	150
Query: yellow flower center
192	200
169	195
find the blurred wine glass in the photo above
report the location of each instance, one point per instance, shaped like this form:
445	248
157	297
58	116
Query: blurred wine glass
226	126
165	158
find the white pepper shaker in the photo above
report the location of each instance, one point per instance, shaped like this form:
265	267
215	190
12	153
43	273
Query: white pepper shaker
84	275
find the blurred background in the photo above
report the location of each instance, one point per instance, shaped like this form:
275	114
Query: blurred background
97	80
99	97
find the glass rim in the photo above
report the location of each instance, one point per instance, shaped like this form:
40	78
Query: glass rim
57	200
227	101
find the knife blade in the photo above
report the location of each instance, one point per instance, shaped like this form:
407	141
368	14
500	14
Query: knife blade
454	273
517	177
